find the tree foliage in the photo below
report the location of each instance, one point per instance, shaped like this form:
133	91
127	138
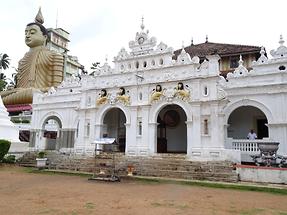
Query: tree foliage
4	61
4	148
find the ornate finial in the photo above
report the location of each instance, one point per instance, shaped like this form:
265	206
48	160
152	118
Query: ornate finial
106	58
206	38
182	45
262	51
192	41
240	61
142	25
281	41
39	17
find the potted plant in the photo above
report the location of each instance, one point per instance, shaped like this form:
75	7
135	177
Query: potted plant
41	160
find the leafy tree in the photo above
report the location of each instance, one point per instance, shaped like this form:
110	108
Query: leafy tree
4	64
94	67
4	148
3	84
4	61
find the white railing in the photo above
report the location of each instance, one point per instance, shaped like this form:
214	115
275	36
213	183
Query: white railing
245	146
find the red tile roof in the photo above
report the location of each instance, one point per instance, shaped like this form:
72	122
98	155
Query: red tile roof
203	49
17	108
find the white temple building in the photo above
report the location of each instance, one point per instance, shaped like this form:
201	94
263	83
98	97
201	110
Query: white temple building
154	104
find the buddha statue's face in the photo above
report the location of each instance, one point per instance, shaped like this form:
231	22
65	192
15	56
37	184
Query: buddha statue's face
34	36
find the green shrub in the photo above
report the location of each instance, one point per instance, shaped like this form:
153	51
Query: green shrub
9	159
25	121
41	154
16	120
4	148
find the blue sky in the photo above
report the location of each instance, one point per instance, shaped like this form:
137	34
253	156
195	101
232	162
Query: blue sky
101	28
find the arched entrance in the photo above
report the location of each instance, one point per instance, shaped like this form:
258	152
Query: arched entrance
114	127
244	118
51	128
171	130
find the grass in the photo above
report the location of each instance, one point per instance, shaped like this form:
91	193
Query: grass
215	185
152	180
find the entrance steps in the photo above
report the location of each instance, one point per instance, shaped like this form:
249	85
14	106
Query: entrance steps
160	165
28	159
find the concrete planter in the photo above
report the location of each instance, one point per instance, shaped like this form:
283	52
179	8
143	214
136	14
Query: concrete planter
41	162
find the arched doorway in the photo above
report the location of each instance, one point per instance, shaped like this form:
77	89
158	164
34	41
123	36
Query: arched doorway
114	127
244	118
171	130
51	128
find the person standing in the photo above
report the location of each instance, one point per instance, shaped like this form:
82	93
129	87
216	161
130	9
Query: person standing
251	135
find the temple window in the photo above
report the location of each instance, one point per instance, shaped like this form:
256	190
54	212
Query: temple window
139	126
205	91
87	128
137	64
205	127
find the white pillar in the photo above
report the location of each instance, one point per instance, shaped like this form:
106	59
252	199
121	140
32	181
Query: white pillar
152	137
189	137
196	135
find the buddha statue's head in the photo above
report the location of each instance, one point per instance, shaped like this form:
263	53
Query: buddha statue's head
35	35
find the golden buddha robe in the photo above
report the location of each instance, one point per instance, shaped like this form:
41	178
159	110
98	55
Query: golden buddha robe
38	69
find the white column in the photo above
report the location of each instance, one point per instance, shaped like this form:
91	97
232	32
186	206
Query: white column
189	137
196	135
98	131
145	127
152	137
278	133
129	140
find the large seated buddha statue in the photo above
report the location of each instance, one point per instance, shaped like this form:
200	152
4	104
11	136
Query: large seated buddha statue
39	69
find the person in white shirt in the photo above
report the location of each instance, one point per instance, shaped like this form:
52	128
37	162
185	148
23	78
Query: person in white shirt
251	135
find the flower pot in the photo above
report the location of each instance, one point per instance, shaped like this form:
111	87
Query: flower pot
41	162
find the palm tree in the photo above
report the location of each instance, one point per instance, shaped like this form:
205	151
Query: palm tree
4	61
94	67
3	82
4	64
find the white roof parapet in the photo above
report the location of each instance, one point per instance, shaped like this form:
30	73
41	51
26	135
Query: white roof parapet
142	43
281	51
239	71
183	57
262	59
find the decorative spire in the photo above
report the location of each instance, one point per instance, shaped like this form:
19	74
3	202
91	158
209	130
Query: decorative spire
182	45
106	58
142	25
206	38
39	17
281	41
240	61
191	41
262	51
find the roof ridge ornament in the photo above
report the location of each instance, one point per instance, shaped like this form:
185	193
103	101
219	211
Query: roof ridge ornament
240	62
281	41
240	71
142	25
281	51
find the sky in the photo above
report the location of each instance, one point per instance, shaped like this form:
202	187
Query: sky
99	29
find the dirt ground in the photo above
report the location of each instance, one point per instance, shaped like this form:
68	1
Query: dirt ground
32	193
